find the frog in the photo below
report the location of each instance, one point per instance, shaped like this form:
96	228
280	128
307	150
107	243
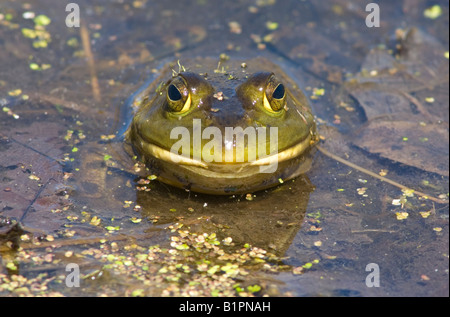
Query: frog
223	126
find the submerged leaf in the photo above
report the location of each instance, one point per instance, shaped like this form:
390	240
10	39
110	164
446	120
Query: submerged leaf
426	147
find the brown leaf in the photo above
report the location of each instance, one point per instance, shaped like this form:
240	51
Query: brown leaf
378	101
423	146
30	170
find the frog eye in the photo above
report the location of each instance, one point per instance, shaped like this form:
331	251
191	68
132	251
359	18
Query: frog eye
274	95
178	97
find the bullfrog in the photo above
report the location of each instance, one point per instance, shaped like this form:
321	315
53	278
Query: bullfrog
223	126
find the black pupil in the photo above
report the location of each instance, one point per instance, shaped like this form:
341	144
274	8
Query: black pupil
174	93
278	92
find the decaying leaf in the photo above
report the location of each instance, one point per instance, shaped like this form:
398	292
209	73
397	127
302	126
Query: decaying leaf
33	150
380	101
394	89
410	143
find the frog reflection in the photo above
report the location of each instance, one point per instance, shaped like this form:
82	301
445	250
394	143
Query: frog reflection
244	218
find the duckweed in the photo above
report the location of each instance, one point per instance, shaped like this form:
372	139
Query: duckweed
433	12
212	266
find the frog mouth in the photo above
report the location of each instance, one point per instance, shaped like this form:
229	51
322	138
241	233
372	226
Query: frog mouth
231	168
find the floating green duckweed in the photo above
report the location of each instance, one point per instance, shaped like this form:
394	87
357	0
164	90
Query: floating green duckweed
271	25
433	12
192	264
42	20
40	36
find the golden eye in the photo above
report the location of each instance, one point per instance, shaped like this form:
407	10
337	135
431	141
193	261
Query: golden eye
178	97
274	96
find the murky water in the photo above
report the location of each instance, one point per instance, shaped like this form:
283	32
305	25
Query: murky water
79	200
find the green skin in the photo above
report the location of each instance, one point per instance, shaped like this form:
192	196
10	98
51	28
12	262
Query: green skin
244	90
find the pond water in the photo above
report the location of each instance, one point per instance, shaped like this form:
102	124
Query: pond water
72	199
